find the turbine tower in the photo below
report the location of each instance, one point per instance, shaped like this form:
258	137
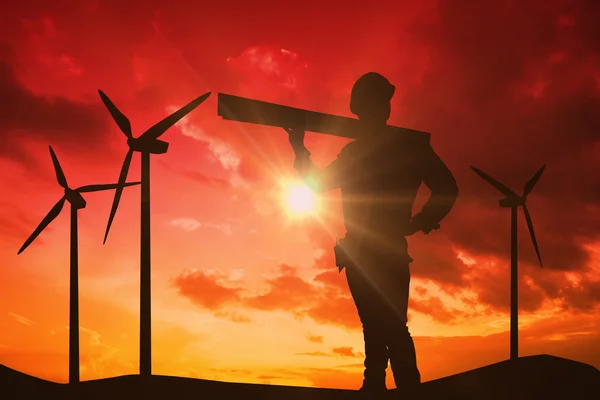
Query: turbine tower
514	201
77	202
146	144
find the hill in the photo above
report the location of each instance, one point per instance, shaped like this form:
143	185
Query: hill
544	377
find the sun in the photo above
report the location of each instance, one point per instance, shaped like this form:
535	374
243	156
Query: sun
300	200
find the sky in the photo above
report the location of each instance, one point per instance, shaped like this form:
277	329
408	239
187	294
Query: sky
244	290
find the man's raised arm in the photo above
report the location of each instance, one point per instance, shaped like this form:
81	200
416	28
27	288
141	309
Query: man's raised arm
317	179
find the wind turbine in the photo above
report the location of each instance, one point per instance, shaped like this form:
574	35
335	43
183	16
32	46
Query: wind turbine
514	201
146	144
77	202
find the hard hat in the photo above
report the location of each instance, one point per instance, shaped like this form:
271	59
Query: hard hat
370	87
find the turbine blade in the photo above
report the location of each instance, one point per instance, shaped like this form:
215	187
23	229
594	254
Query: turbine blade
98	188
120	186
121	120
161	127
532	233
529	185
60	175
501	188
45	222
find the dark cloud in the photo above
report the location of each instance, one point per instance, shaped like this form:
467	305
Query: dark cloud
489	71
492	285
580	297
441	266
509	88
54	120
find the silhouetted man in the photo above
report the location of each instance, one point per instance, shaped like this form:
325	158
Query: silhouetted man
379	174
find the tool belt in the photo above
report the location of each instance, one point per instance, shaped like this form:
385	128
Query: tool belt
341	252
348	251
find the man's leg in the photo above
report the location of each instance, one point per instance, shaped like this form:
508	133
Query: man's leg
376	356
403	359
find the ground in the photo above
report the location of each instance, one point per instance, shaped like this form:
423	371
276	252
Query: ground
544	377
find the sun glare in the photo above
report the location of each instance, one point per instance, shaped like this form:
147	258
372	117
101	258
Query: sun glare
300	200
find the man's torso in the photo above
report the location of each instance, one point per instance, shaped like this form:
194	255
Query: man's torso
379	186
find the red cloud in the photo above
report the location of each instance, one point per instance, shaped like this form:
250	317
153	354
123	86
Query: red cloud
201	178
195	176
271	72
16	226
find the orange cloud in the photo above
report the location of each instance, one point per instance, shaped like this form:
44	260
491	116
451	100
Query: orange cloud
205	290
346	351
315	339
314	353
286	292
434	307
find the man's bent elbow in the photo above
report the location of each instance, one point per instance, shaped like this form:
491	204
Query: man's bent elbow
446	194
454	189
452	192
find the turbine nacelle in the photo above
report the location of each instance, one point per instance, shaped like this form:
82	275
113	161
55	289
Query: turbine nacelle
510	202
75	198
144	145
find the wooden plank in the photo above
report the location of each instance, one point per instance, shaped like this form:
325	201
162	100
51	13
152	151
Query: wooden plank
241	109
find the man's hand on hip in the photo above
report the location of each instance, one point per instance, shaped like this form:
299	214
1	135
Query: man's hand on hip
418	223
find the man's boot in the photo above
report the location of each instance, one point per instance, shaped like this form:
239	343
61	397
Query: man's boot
403	360
376	362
